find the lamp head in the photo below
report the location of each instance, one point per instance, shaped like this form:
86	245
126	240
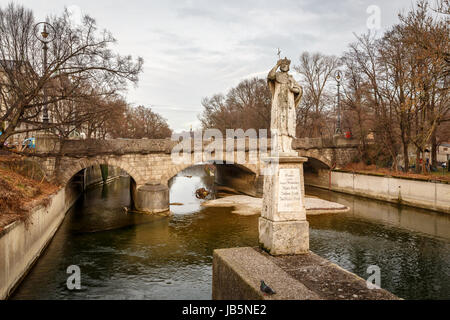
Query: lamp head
338	75
44	33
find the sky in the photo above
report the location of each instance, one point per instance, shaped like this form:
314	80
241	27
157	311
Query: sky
195	49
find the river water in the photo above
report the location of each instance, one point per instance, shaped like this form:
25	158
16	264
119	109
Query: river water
133	256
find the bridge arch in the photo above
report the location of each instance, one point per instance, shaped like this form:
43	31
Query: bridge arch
316	159
177	168
72	166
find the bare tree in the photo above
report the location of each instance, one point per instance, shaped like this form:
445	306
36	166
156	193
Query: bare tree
400	80
427	38
367	110
316	70
245	106
79	55
357	102
137	123
442	6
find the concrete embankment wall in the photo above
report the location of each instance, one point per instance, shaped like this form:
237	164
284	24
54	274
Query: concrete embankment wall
417	193
21	243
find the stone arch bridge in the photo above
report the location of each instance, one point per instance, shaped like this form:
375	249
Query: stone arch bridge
150	164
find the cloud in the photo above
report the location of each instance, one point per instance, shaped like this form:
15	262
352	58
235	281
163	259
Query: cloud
196	48
75	15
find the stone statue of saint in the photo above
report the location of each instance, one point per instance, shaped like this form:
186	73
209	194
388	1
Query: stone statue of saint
286	95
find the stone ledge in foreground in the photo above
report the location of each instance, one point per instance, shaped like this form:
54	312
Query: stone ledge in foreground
237	273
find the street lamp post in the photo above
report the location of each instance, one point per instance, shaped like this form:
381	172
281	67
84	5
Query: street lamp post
45	33
338	77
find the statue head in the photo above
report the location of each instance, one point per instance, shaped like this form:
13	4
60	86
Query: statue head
285	63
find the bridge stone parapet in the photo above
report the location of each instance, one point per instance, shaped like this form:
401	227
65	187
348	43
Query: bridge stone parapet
93	147
321	143
150	159
51	146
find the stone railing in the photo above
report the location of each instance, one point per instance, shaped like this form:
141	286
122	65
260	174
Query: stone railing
53	145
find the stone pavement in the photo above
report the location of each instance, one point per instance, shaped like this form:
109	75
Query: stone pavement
237	273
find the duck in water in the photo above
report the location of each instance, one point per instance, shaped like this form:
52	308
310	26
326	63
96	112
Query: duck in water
201	193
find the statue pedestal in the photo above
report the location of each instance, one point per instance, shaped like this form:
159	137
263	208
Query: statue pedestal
283	228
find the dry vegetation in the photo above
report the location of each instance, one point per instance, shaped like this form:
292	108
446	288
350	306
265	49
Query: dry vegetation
373	169
21	189
82	86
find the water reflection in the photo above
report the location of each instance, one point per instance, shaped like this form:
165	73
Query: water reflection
135	256
409	245
428	222
183	187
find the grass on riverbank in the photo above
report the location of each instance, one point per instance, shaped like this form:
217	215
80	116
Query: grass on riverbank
372	169
20	189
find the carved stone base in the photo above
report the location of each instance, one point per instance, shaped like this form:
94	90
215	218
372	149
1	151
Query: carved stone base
284	237
284	190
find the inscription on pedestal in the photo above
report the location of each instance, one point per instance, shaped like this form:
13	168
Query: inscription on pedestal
289	190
